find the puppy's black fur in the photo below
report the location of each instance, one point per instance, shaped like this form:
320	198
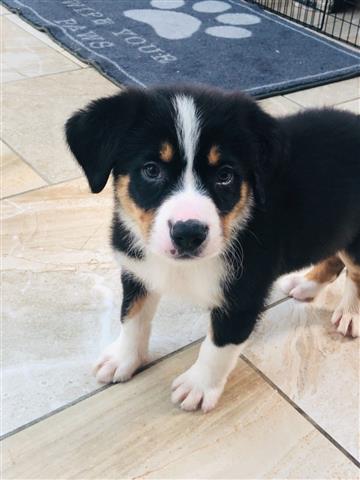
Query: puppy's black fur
303	169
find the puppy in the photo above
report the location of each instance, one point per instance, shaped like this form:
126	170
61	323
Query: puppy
215	199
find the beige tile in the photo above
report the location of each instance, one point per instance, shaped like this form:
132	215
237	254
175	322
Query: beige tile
133	431
62	227
327	95
63	294
3	10
29	56
45	38
8	74
62	291
16	175
35	111
279	106
297	347
352	106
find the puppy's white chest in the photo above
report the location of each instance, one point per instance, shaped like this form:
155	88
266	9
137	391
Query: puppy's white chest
198	282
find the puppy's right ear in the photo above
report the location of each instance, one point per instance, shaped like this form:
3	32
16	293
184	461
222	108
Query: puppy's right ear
95	133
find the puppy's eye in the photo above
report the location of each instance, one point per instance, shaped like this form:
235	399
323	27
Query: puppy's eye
151	171
224	176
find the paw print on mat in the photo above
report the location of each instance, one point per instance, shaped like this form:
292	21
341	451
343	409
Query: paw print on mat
177	25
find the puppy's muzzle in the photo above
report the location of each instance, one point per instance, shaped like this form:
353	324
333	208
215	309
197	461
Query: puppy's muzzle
188	237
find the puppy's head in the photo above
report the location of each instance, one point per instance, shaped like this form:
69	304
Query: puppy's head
188	164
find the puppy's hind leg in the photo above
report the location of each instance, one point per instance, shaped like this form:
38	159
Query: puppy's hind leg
347	315
306	287
123	357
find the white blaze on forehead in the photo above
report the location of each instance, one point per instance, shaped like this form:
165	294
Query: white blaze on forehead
187	123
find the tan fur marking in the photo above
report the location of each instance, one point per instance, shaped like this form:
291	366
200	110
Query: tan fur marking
229	219
136	307
166	152
352	268
326	271
143	218
214	155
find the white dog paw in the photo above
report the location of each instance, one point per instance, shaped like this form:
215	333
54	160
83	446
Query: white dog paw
191	391
347	322
116	365
299	287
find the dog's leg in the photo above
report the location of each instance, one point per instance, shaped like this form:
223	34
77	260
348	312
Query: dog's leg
204	382
123	357
306	287
347	315
202	385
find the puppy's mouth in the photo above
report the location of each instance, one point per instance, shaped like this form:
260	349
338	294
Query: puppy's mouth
176	255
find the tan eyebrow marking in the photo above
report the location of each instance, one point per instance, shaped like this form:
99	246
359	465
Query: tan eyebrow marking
214	155
166	152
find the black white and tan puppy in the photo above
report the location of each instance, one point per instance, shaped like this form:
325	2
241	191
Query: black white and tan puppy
215	199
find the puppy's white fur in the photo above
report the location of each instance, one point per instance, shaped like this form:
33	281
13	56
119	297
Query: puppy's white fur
203	384
187	122
296	285
347	314
196	280
123	357
181	206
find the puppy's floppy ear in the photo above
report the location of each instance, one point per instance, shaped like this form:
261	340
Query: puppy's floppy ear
95	133
269	149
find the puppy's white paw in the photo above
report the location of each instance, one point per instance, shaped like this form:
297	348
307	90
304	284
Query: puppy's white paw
299	287
116	364
347	322
192	391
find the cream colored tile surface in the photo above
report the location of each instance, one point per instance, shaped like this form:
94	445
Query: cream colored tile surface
29	56
62	291
35	111
353	106
45	38
297	347
8	74
3	11
133	431
63	294
16	175
279	106
327	95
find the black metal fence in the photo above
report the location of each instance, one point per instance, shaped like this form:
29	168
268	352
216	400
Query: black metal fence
339	19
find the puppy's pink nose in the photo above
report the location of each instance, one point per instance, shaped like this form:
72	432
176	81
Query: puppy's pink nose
188	236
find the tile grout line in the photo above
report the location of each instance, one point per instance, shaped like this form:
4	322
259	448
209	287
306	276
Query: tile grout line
286	96
301	411
15	15
25	161
48	185
42	176
307	106
105	387
45	74
94	392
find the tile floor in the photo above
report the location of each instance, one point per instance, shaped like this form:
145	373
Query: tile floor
294	397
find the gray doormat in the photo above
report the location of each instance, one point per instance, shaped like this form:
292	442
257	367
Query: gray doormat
228	43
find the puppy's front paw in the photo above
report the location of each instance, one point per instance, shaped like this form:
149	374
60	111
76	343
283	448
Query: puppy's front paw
116	364
347	322
193	390
299	287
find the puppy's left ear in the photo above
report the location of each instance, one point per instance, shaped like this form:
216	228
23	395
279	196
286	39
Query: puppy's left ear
269	149
97	133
